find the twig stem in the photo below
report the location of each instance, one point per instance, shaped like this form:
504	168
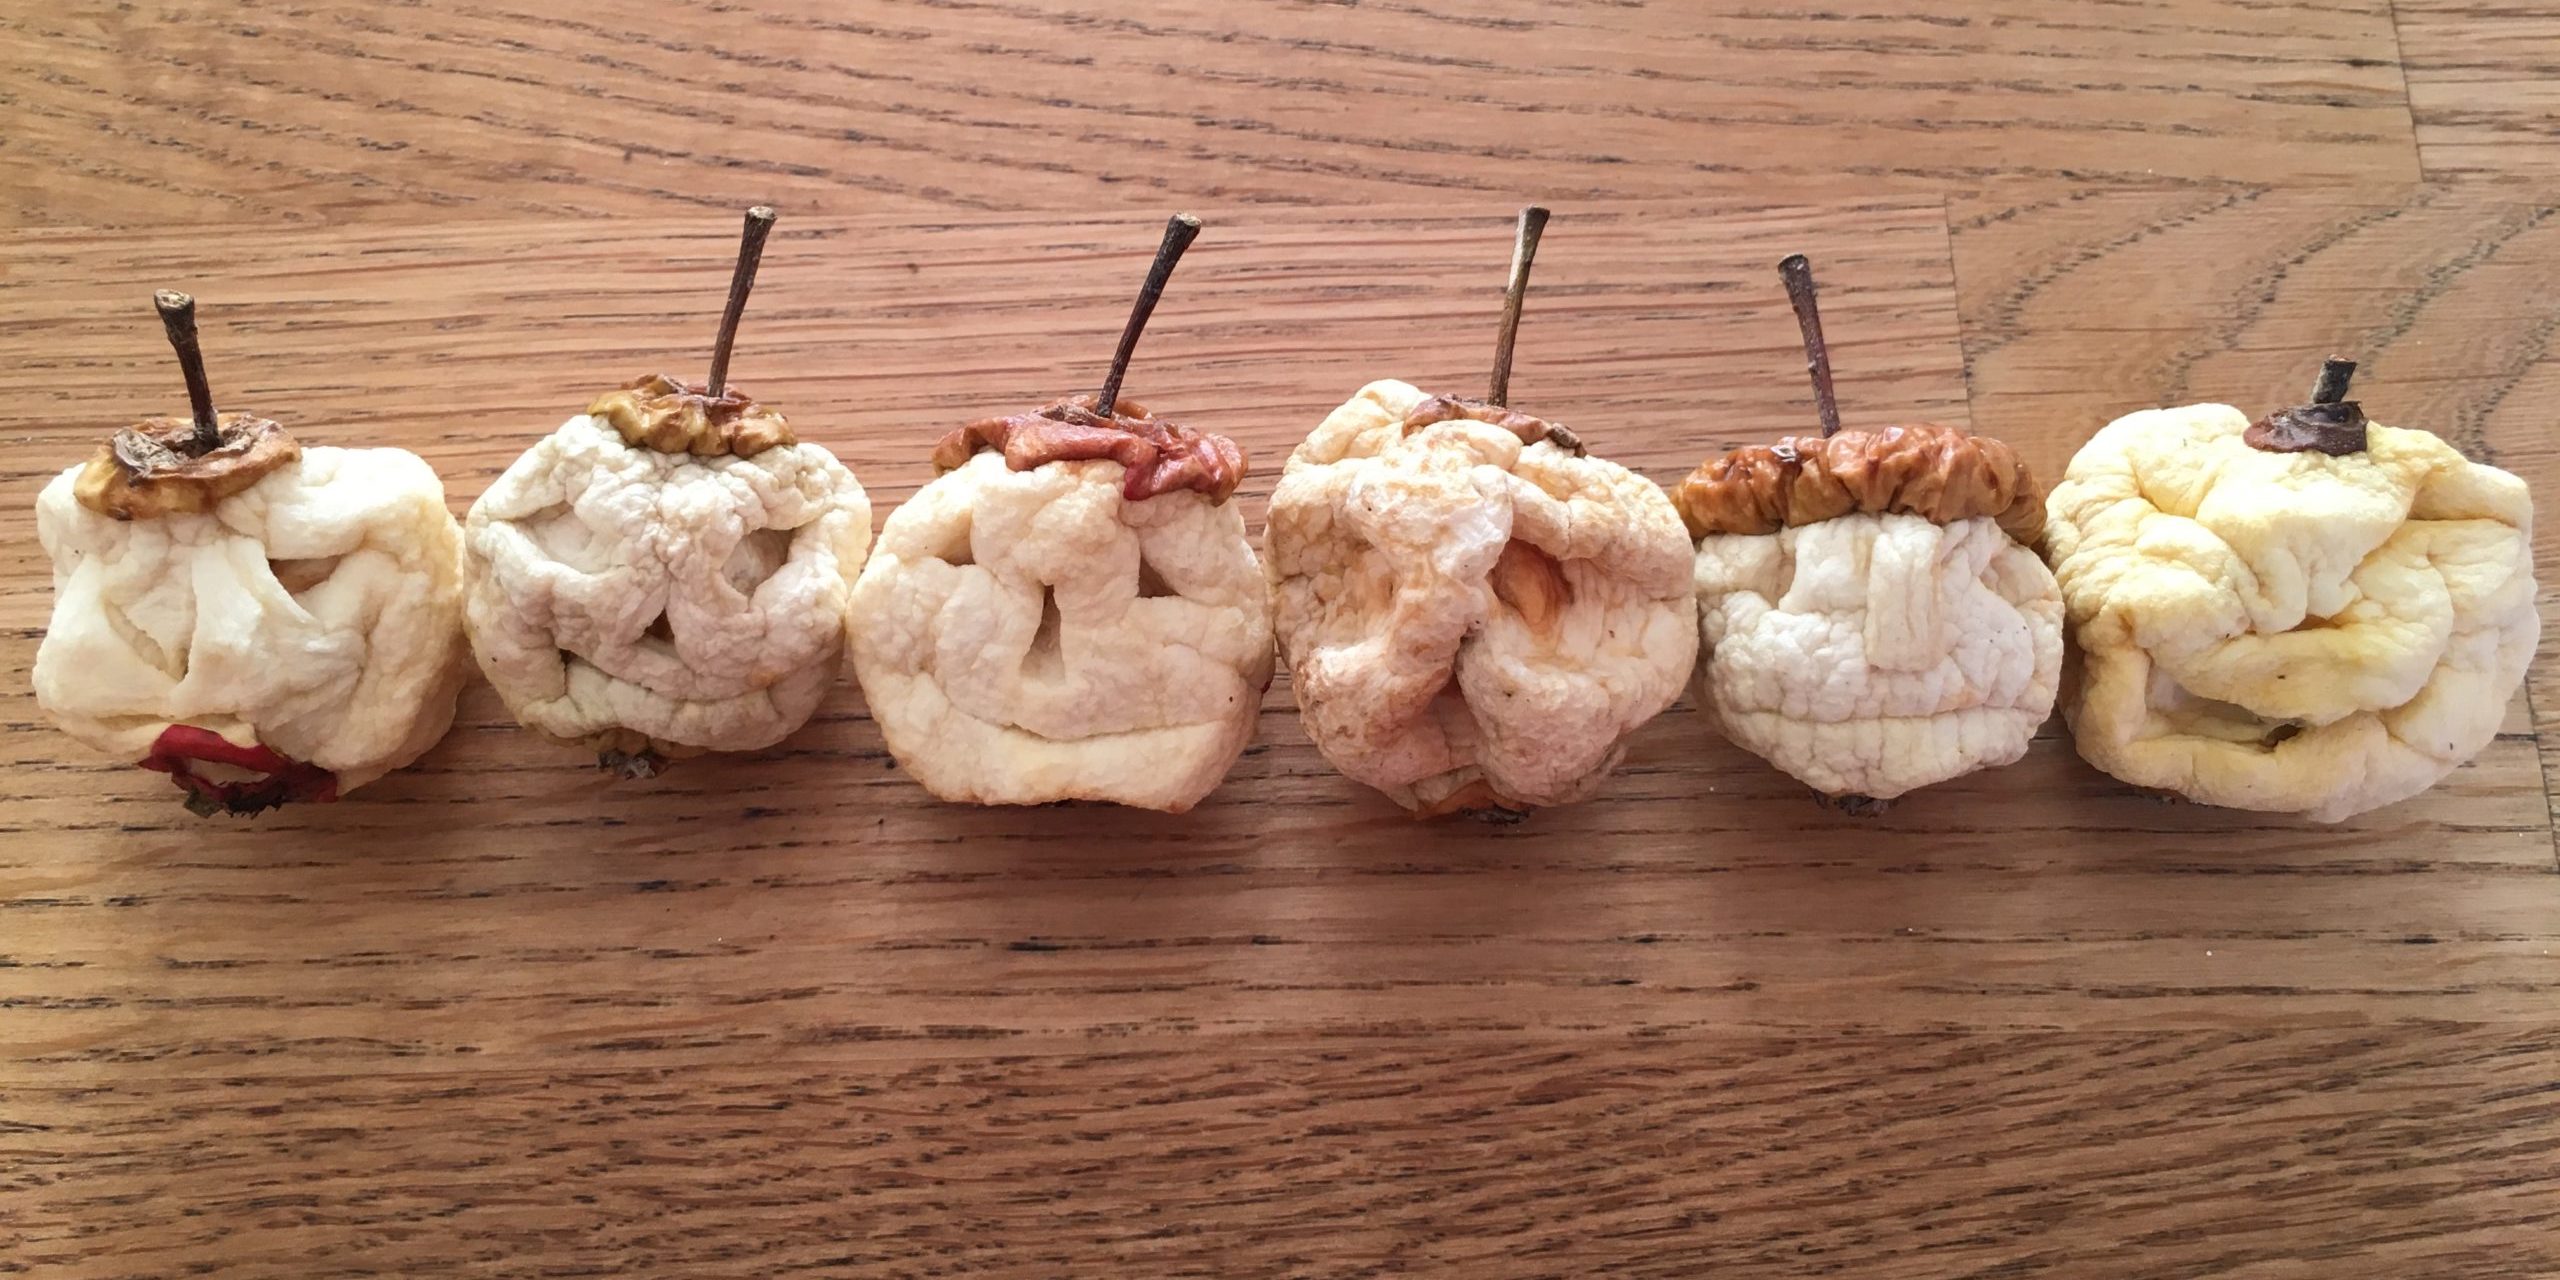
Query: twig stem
1179	231
741	282
1798	275
178	316
2332	386
1524	251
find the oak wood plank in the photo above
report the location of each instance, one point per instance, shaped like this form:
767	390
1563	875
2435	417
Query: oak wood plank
2084	306
2256	1153
179	111
2481	89
500	906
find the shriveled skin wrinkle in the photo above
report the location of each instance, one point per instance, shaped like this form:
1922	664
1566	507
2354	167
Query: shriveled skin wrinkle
1471	621
1008	650
2294	632
581	546
1872	654
317	613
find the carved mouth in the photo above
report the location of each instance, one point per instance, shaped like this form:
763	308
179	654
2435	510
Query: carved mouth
220	776
2199	716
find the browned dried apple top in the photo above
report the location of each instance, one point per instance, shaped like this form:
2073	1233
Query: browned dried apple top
671	415
1157	456
1940	474
1530	429
149	469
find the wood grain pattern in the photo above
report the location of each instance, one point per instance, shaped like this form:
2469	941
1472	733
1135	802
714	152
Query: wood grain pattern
161	112
465	341
784	1015
2481	82
2443	296
2257	1153
786	1012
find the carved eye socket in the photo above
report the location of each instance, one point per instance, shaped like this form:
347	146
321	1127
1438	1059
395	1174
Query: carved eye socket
956	550
757	556
170	662
1151	584
1047	657
568	540
299	576
1532	583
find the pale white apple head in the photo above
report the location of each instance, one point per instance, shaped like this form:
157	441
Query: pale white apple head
631	599
1868	654
314	614
1874	615
1038	634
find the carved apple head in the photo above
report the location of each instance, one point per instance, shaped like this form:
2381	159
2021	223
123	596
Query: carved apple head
1070	611
664	575
1476	612
2311	613
262	621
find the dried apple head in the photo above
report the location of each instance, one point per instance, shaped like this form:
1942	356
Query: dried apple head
1070	610
264	623
666	574
2312	613
1476	613
1874	615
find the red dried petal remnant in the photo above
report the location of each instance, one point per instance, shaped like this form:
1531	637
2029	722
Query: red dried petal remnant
181	747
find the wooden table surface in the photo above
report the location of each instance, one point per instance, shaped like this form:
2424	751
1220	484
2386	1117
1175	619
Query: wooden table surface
783	1014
